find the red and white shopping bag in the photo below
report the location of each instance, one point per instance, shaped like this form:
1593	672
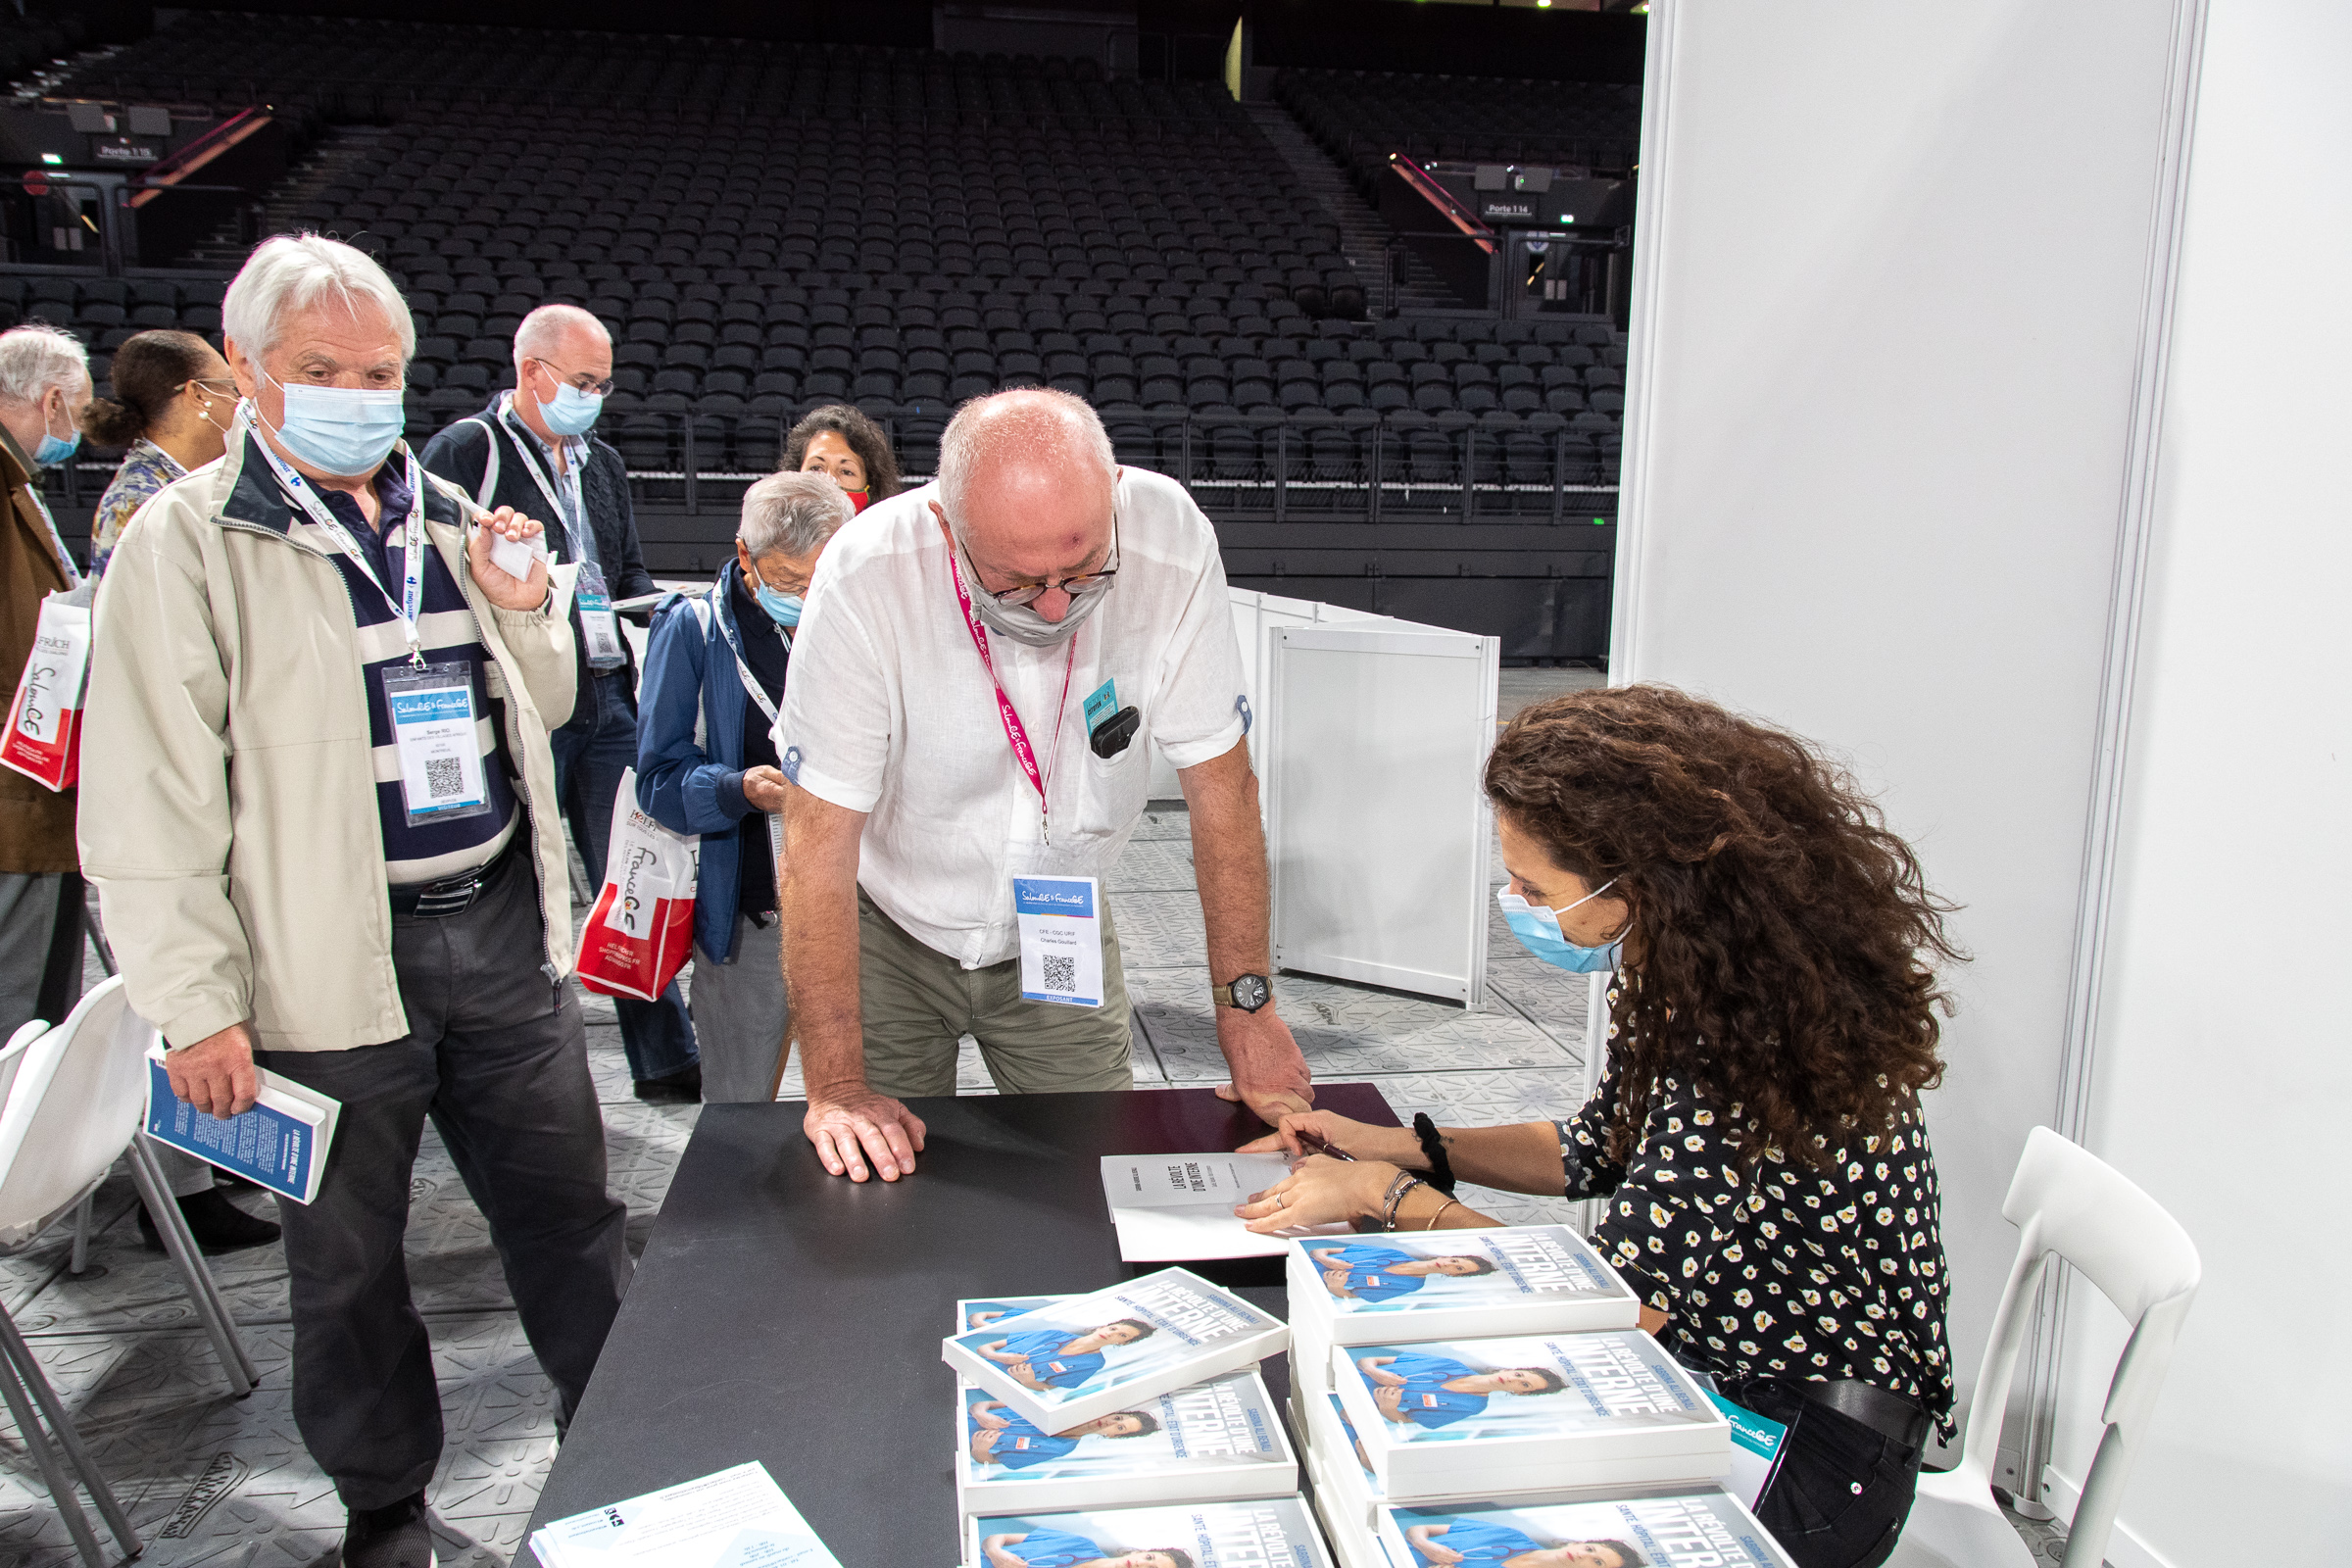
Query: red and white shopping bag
44	722
637	935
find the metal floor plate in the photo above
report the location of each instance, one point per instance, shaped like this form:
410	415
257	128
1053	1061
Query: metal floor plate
215	1480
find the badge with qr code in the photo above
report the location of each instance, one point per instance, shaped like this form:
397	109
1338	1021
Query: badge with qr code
439	745
1061	939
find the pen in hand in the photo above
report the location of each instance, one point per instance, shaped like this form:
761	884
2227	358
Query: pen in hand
1316	1145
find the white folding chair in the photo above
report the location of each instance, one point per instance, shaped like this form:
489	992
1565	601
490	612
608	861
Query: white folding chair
76	1103
2070	1203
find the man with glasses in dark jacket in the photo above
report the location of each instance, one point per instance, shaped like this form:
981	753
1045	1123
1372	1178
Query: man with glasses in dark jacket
531	450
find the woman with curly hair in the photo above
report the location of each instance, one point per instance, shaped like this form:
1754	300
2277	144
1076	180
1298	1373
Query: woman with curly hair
847	448
1757	1131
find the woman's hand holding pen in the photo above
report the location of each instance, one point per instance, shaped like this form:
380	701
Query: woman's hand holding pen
1309	1132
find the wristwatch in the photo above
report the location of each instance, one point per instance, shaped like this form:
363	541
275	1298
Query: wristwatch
1248	992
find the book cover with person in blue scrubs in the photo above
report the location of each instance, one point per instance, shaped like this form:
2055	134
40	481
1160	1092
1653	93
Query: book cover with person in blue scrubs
1209	1442
1537	1264
1467	1390
1271	1533
1665	1527
978	1313
1088	1355
1438	1418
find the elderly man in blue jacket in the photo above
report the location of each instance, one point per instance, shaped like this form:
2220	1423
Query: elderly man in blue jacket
715	675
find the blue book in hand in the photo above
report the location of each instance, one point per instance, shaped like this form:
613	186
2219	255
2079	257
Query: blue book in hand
281	1142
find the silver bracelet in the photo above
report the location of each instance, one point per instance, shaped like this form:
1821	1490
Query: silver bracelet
1405	1183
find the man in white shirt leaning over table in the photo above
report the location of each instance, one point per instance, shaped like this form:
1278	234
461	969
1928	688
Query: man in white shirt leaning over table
980	666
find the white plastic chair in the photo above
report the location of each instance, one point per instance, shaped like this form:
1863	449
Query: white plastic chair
2068	1201
77	1104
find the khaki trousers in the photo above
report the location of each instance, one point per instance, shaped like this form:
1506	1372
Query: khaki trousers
917	1000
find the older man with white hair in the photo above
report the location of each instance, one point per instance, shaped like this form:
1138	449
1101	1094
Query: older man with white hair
534	449
44	387
979	666
319	810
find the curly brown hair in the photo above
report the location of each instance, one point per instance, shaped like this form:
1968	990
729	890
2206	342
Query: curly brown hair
1782	942
864	436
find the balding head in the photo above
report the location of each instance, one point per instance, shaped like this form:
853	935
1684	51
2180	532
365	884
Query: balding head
1026	481
560	333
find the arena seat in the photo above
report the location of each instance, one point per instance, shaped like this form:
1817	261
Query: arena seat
944	224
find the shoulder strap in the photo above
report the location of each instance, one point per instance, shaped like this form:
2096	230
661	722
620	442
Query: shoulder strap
490	462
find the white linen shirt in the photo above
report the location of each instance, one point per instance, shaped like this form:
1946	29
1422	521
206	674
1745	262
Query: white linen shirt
890	712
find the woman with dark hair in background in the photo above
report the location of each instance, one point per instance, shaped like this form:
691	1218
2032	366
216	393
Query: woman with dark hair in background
847	447
172	404
1757	1129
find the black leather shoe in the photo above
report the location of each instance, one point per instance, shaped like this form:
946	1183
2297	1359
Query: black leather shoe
218	1225
682	1088
392	1537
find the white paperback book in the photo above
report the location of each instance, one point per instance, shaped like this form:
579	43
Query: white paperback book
734	1519
1171	1209
979	1311
1448	1417
1084	1357
1665	1527
1269	1532
1207	1442
1368	1290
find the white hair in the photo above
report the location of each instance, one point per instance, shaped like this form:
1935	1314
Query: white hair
37	356
791	513
290	273
1039	420
548	325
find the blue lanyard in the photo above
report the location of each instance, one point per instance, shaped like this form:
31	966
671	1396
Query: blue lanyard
408	606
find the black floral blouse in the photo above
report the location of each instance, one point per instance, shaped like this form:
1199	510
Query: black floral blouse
1790	1271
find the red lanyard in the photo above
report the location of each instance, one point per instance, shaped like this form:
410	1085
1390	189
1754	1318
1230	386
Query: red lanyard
1014	732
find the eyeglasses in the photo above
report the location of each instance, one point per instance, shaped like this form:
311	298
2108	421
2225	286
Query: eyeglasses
1028	593
594	388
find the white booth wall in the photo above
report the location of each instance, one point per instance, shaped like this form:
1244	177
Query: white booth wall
1887	321
1904	447
2223	1064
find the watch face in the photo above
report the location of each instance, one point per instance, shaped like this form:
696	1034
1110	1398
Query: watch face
1250	992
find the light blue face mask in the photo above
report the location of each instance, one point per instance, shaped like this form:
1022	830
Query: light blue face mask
342	430
782	609
570	411
1539	931
50	451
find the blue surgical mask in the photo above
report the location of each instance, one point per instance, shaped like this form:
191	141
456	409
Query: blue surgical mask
782	609
1539	931
570	411
341	430
50	451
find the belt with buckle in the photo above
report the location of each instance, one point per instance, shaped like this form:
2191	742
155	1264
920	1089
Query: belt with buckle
1890	1415
451	895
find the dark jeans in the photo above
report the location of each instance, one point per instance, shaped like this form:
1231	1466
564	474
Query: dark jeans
496	1057
591	751
1841	1490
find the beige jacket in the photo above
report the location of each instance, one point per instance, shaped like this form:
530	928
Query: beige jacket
228	807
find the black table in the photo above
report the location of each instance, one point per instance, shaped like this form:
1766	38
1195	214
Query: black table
792	1317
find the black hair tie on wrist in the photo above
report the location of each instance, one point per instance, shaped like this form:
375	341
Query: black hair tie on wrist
1432	1149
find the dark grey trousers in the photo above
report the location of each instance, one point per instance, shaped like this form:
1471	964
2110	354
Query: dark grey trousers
502	1068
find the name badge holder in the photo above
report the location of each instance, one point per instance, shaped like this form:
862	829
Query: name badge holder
600	626
750	689
1061	939
441	778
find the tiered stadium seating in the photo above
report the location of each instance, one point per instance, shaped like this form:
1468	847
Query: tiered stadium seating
768	226
1361	116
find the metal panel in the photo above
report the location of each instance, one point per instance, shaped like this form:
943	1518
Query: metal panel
1373	737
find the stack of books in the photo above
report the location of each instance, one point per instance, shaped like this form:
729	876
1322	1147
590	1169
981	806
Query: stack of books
1128	1423
1496	1378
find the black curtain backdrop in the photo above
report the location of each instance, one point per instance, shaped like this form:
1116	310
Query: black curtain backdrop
1448	40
